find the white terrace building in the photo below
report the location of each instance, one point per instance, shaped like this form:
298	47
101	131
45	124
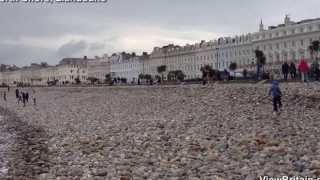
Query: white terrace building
288	41
98	68
285	42
190	58
69	69
127	66
66	71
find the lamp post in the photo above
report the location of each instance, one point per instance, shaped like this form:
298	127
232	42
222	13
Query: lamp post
217	57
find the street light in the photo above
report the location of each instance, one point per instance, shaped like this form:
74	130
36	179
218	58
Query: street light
217	56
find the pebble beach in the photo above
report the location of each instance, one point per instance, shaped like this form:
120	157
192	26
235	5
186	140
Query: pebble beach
191	132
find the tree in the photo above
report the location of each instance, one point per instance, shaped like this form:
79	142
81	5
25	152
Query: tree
141	76
77	80
161	69
157	77
44	64
233	67
208	72
171	76
261	61
93	80
108	79
180	75
52	83
147	76
176	75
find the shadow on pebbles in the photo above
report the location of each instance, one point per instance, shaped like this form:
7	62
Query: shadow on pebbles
23	149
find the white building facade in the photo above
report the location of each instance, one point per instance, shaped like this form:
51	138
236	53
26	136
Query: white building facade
285	42
128	66
98	68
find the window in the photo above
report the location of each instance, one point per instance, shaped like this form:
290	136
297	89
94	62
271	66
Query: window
277	45
284	33
301	29
310	28
302	42
277	34
285	44
293	43
292	31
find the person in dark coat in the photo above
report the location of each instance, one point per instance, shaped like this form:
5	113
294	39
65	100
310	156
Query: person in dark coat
4	96
315	70
293	70
17	93
27	97
285	70
19	97
24	99
34	98
276	94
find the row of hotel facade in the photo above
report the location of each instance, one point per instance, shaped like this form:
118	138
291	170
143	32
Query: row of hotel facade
286	42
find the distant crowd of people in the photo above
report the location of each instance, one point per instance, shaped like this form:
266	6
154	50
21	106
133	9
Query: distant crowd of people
23	96
303	68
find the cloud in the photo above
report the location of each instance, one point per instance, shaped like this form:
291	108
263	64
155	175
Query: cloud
97	46
62	30
23	55
72	48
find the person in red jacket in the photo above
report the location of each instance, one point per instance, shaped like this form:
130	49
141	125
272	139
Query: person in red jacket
304	70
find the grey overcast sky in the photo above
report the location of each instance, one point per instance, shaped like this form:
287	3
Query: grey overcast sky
31	32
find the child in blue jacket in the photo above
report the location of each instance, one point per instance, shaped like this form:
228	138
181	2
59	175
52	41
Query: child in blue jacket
276	93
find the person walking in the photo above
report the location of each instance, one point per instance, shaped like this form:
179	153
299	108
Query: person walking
285	70
19	97
27	96
276	94
315	70
17	93
4	96
293	70
24	99
34	97
304	70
